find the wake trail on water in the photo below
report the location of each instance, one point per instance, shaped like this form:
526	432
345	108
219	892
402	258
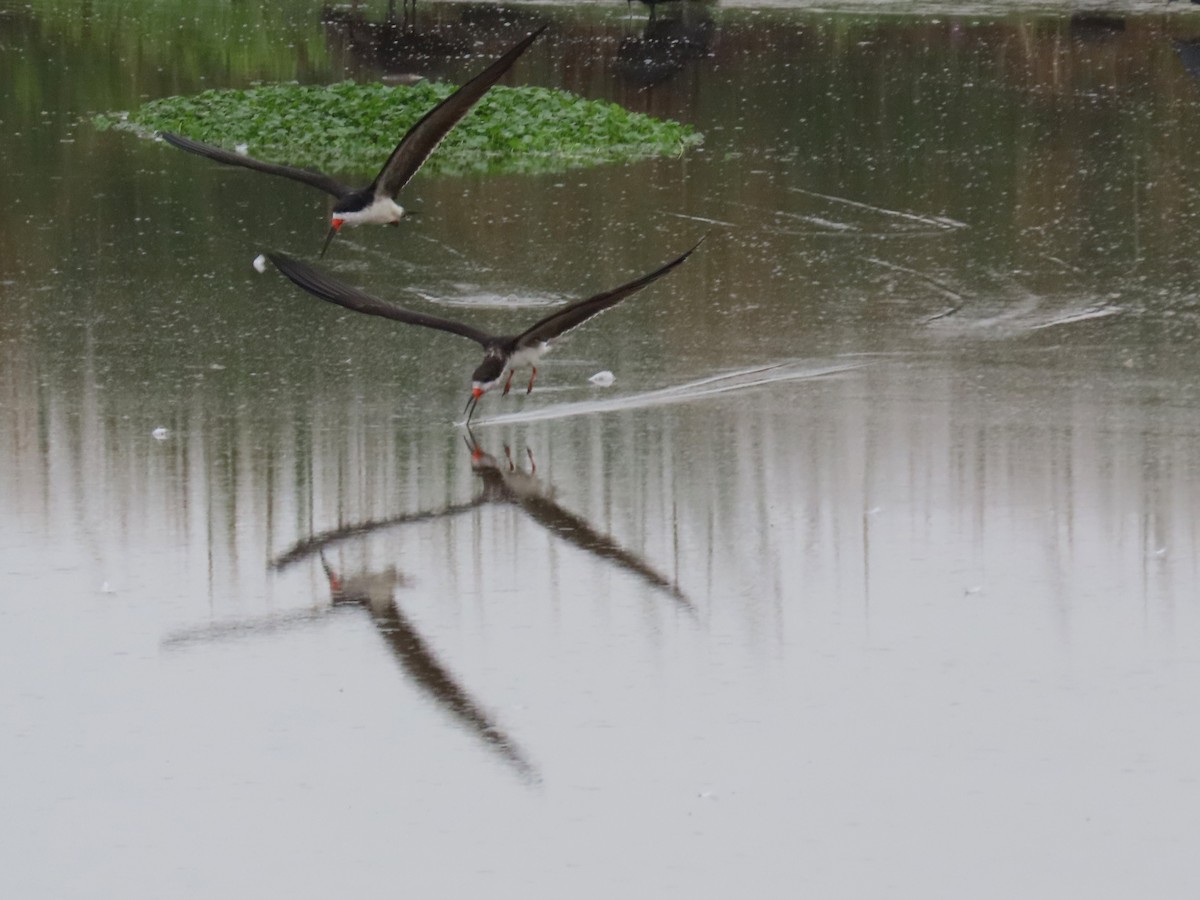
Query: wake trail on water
700	389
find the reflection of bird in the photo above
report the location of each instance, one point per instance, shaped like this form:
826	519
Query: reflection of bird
375	204
374	591
503	482
506	483
502	353
318	542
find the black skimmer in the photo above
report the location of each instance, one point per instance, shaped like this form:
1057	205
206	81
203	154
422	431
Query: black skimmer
502	353
376	203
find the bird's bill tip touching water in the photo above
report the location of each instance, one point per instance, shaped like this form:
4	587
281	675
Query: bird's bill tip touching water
472	402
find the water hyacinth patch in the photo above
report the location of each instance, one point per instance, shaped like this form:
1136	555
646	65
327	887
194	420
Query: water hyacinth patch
351	128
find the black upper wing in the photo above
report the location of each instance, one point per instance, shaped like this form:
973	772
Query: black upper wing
422	139
579	312
316	179
329	288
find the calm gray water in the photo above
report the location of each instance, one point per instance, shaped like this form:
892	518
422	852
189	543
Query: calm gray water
873	574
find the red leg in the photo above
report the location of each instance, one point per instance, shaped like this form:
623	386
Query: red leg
508	383
532	375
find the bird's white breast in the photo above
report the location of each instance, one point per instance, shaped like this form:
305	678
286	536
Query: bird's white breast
384	211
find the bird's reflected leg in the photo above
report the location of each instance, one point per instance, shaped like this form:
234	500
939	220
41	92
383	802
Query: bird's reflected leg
532	375
512	466
532	464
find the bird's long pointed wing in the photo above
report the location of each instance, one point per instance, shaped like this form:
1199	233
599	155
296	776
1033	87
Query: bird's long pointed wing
579	312
315	179
423	138
328	288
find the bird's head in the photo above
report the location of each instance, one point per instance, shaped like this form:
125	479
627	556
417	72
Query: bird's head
483	379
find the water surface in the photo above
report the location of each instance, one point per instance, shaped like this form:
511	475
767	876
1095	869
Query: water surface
872	574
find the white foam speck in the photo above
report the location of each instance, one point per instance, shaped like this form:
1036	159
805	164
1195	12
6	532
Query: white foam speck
603	379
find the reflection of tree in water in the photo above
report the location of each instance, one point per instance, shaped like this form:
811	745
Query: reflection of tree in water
1095	26
666	43
1189	54
404	47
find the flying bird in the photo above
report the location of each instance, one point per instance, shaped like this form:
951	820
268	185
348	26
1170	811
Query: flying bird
501	353
376	203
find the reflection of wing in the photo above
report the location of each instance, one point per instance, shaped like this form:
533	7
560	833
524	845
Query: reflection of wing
233	629
420	662
507	484
373	592
579	532
324	539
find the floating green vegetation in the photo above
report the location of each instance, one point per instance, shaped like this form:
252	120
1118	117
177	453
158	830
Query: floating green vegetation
351	127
